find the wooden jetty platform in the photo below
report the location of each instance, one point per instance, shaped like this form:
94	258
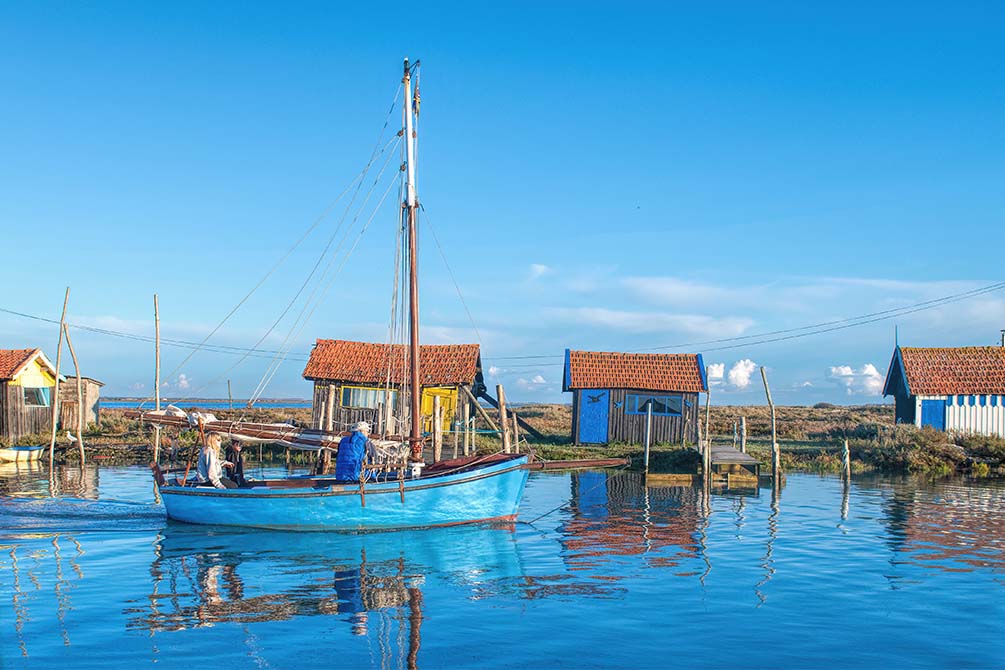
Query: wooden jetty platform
578	463
733	464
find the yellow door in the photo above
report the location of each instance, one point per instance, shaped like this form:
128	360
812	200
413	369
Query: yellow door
448	405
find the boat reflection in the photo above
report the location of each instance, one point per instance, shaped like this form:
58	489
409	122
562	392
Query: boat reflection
200	579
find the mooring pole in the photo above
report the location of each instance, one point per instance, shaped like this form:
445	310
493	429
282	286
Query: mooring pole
649	432
776	466
743	434
80	395
54	401
503	424
846	461
437	430
157	377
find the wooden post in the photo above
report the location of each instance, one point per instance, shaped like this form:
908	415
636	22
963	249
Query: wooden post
503	426
230	396
80	394
735	434
846	461
776	465
708	403
455	430
743	434
649	432
437	430
55	391
329	418
157	377
479	409
467	428
516	433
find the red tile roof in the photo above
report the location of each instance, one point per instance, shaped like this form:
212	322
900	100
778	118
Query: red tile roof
367	363
647	372
954	370
12	360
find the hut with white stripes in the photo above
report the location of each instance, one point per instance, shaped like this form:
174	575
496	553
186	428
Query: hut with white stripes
949	388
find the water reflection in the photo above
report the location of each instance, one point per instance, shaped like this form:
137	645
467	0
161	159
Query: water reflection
614	546
374	583
956	526
617	515
33	565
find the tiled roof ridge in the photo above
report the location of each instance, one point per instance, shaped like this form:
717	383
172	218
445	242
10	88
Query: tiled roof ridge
954	370
680	372
12	360
368	362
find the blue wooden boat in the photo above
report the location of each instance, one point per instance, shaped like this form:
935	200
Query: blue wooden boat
406	493
22	453
468	490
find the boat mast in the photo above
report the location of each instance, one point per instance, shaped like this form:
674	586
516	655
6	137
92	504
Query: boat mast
415	436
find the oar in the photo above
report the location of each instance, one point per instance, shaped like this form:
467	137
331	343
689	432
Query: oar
202	438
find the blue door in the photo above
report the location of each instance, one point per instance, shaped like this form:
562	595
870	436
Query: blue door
933	413
594	406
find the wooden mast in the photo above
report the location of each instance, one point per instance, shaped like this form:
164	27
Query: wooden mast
415	435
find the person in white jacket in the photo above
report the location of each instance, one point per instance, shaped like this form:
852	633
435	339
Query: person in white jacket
210	467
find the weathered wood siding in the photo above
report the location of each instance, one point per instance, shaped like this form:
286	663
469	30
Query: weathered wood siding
343	418
17	419
68	403
631	428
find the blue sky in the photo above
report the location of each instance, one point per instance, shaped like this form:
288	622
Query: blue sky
611	177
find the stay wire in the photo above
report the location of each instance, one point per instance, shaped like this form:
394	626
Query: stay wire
288	342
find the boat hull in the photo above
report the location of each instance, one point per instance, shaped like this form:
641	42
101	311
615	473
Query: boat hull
490	493
21	454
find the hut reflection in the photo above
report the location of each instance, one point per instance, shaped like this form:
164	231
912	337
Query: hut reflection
615	514
950	526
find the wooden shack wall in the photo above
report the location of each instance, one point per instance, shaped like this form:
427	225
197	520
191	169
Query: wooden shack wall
343	418
631	428
68	403
17	419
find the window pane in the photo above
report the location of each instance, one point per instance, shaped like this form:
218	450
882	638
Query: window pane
35	397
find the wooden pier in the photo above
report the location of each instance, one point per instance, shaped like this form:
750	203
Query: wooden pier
733	464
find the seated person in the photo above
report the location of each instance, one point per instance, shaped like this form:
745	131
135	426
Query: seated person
235	464
210	469
351	452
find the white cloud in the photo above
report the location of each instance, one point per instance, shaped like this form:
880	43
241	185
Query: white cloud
538	270
739	374
867	380
716	371
137	386
493	371
538	379
183	382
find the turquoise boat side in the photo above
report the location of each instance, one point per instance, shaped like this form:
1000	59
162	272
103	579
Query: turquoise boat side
491	493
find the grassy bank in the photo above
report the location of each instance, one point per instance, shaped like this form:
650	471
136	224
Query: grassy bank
810	438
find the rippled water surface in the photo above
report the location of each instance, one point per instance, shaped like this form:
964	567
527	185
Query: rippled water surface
599	572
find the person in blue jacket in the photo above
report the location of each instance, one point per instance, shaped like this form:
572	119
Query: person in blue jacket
351	452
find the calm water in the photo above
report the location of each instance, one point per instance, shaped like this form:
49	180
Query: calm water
897	573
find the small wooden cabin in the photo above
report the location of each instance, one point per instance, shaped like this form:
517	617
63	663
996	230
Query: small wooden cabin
350	380
949	388
27	378
610	391
68	402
